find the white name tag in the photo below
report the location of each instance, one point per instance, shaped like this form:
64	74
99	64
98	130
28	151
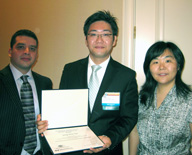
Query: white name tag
111	101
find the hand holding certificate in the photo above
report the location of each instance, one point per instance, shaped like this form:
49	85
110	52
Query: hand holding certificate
66	112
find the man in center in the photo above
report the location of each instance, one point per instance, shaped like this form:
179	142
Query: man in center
114	122
111	122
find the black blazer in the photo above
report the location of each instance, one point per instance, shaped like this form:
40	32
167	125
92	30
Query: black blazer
116	124
12	124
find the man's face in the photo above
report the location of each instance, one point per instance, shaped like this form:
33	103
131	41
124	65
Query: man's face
100	41
24	53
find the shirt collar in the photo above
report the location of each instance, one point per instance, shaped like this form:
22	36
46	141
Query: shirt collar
103	64
171	93
17	74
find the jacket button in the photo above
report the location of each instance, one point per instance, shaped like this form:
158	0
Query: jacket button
21	144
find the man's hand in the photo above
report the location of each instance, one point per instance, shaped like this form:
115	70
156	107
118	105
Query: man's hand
41	125
107	144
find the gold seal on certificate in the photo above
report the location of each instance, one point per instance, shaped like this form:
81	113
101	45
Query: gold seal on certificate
66	112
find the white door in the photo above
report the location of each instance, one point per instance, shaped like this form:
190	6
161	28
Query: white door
168	20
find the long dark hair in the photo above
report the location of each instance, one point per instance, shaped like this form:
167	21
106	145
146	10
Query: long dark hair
148	88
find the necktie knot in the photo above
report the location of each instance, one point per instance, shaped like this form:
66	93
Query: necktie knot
24	78
95	68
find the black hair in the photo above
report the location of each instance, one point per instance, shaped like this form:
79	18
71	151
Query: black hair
23	32
148	88
101	16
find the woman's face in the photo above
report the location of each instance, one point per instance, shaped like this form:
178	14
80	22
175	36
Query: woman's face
164	68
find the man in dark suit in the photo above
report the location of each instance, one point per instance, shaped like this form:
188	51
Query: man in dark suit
113	114
23	53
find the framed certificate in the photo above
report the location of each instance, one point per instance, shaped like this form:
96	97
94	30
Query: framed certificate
67	112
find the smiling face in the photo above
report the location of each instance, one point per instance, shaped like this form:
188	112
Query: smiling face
100	41
164	68
24	53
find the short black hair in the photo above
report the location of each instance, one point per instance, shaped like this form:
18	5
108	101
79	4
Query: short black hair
101	16
23	32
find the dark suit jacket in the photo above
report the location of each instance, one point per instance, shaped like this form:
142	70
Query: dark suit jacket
116	124
12	124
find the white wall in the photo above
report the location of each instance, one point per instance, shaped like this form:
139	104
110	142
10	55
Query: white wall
168	20
177	28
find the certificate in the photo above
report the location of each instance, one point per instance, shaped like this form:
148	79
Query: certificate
67	112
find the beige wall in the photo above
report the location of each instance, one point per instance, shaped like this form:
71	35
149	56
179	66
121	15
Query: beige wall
59	27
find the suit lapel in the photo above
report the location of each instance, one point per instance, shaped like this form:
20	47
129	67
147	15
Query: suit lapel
38	89
109	75
11	88
82	73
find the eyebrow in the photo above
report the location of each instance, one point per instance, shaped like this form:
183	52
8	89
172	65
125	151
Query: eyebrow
20	44
167	56
25	44
101	30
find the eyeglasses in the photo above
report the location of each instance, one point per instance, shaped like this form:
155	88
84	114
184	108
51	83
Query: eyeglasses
104	36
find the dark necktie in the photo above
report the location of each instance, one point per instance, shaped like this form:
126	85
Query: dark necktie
93	85
30	142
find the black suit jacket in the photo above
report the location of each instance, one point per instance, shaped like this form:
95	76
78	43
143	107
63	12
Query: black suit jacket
116	124
12	124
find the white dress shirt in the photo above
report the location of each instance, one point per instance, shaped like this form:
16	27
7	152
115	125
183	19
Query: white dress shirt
17	74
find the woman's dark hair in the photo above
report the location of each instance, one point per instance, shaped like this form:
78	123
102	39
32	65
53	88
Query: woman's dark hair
158	48
101	16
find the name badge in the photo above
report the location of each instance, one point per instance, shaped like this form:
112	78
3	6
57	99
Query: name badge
111	101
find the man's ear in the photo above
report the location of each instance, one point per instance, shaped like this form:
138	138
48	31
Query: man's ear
114	41
9	52
86	40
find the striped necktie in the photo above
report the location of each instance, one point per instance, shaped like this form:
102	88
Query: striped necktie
93	85
30	142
